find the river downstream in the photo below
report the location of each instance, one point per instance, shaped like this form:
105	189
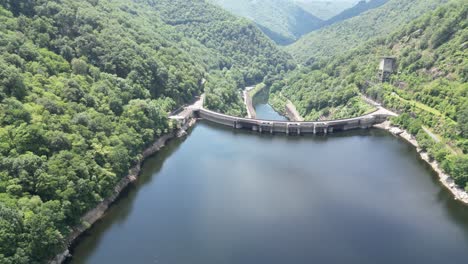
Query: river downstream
236	197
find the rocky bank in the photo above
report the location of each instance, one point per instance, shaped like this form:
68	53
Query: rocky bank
445	179
98	212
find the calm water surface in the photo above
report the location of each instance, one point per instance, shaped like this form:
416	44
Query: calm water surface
265	111
234	197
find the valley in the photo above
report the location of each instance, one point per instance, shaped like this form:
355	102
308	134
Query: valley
87	89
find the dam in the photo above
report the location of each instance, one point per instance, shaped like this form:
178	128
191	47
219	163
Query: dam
290	127
221	195
196	110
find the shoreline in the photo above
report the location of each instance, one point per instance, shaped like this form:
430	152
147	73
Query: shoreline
292	113
98	212
251	113
458	193
95	214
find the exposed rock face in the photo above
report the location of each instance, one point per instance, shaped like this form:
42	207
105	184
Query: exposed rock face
292	113
395	131
61	257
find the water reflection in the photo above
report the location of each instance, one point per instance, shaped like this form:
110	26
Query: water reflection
234	196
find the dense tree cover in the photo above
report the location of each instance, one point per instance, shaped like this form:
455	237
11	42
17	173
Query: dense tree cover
68	133
85	86
430	88
318	95
284	21
339	38
246	49
130	42
247	53
222	94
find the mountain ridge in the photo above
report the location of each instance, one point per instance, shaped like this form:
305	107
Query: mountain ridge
429	87
283	20
342	36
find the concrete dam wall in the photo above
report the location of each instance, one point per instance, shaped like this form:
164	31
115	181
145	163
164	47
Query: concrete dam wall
293	127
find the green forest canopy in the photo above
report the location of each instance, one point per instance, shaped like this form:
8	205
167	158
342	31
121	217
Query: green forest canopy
284	21
348	34
430	90
85	86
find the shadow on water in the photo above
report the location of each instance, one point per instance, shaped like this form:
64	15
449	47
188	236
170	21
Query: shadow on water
261	97
119	213
122	207
455	209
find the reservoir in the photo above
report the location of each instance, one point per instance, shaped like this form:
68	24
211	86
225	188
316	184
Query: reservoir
226	196
266	112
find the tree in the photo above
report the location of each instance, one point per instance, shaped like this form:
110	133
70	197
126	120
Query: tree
79	67
11	81
462	119
457	167
13	112
11	224
43	236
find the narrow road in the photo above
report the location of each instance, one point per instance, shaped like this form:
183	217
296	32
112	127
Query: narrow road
432	135
381	110
292	111
248	103
188	110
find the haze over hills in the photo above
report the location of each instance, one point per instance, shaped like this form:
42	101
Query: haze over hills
348	34
325	9
360	7
429	87
282	20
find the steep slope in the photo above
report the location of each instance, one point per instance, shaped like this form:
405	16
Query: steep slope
325	9
282	20
361	7
85	86
430	89
244	46
343	36
248	54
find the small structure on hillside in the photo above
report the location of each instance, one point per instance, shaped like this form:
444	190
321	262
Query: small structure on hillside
386	68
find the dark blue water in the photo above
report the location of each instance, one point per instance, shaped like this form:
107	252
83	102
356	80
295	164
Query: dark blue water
235	197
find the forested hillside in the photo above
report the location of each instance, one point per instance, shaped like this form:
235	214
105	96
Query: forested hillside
282	20
243	46
361	7
343	36
430	90
285	21
247	54
85	86
325	9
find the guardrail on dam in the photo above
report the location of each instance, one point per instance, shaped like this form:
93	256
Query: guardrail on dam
290	127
